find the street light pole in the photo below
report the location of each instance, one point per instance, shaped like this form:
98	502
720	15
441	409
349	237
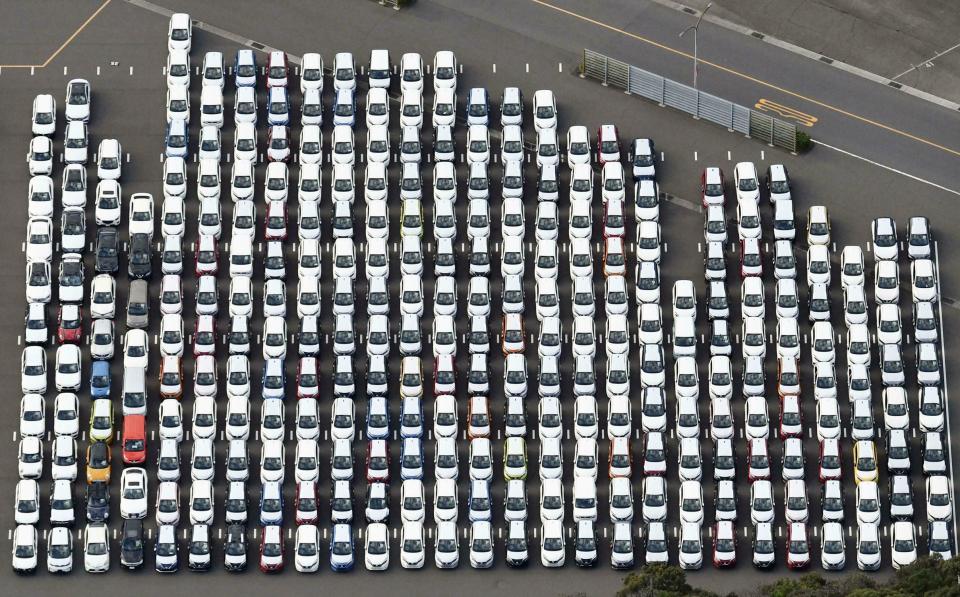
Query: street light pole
696	31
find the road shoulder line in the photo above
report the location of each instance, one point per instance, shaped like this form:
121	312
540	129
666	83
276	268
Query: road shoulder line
795	49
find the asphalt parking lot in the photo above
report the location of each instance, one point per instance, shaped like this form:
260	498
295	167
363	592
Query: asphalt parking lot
122	53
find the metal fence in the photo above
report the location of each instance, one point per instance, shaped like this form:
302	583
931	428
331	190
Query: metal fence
668	92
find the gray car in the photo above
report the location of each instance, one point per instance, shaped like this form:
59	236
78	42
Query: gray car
138	305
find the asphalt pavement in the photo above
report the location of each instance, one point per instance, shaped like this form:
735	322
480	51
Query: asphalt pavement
122	52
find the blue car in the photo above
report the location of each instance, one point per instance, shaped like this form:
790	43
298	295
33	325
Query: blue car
278	107
100	379
341	548
177	140
271	503
411	458
274	379
245	69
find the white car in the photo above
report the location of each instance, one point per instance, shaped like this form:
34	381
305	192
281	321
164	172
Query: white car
746	182
903	544
59	550
39	239
68	368
96	548
307	558
171	419
109	160
33	370
40	155
32	415
923	278
851	266
133	493
896	414
40	196
654	499
377	547
66	415
26	502
886	282
885	243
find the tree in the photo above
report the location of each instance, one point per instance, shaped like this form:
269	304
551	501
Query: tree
658	580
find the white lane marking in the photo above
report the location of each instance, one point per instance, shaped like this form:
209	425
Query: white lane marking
891	169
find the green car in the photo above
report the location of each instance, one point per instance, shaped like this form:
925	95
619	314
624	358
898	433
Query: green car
101	420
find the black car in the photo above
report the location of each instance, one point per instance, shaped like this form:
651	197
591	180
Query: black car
108	250
235	548
141	256
98	502
131	544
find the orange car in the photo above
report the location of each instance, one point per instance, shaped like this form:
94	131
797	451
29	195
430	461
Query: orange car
98	462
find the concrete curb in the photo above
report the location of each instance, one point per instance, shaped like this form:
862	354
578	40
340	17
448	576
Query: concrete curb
769	39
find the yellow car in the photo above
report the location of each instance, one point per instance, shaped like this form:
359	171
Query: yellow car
864	461
98	462
514	459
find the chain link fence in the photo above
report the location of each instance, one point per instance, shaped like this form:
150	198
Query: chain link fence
698	104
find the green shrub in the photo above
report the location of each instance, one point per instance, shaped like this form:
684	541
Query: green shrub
804	142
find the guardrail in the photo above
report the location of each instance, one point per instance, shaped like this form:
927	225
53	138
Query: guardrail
667	92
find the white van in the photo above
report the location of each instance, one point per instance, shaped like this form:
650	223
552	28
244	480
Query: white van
241	255
784	226
684	337
380	69
584	499
134	395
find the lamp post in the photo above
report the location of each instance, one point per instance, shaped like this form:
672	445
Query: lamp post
696	30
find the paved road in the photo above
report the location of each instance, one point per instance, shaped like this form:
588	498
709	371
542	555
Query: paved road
129	106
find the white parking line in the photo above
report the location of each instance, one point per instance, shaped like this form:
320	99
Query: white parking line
943	367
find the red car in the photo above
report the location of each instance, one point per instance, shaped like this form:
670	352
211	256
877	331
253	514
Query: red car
275	222
830	460
711	187
378	461
608	144
277	69
306	502
70	326
207	256
271	549
308	385
724	544
134	439
204	336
